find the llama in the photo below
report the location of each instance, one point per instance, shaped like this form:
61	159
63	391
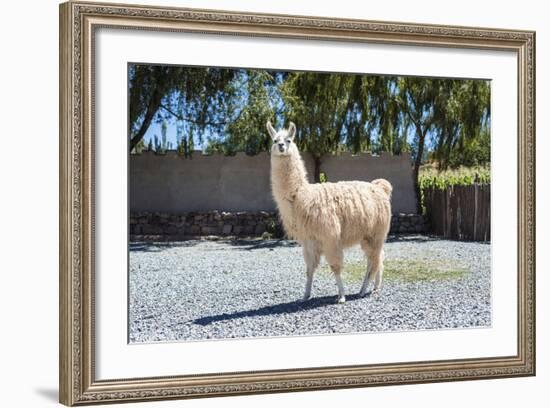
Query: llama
326	218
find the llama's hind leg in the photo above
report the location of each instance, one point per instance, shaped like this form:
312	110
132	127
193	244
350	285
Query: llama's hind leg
375	267
312	256
335	257
379	271
365	285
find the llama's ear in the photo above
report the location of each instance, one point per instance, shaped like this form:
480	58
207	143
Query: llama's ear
291	130
270	130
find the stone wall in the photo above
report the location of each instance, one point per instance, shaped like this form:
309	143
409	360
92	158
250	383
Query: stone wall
172	184
409	223
165	226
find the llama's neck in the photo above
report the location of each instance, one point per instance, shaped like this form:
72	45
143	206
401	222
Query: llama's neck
288	175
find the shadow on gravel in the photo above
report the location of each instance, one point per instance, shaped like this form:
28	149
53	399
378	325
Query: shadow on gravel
240	244
252	244
147	247
425	238
416	238
158	246
281	308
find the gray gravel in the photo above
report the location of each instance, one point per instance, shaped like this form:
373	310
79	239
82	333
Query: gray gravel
207	289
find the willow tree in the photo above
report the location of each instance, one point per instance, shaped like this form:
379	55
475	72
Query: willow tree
462	134
196	96
454	113
387	124
255	100
416	98
328	110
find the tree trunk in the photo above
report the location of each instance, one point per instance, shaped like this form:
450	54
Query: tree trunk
416	169
152	108
317	169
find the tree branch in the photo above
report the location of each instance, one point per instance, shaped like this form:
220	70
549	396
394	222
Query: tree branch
198	122
150	113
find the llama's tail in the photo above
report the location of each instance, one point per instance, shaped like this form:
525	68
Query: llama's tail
384	185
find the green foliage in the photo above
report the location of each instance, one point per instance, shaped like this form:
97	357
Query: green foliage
163	145
461	132
185	144
330	112
267	235
318	104
274	229
140	147
431	177
470	152
252	107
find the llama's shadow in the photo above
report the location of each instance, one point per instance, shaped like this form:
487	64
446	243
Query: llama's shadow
158	246
414	238
253	244
240	244
281	308
147	246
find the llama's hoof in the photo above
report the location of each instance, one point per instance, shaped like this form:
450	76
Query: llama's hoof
341	299
364	293
305	298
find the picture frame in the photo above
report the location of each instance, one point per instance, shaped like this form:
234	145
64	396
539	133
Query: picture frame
79	22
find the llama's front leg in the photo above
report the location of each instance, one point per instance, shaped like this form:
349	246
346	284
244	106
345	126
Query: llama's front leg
309	284
340	284
312	257
335	258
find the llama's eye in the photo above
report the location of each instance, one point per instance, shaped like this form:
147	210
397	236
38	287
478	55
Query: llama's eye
288	140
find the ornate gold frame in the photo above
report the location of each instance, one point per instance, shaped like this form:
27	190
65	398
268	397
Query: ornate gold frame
76	347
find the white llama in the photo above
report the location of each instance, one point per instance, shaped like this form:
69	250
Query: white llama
326	218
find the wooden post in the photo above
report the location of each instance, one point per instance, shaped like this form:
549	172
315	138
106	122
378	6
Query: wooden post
476	186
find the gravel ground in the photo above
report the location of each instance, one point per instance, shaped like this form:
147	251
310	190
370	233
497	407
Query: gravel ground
205	289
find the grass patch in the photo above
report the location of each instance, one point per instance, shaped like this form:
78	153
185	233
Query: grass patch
406	270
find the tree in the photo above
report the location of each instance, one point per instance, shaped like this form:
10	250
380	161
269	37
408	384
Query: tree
327	109
456	113
387	124
416	98
462	135
253	104
196	96
162	145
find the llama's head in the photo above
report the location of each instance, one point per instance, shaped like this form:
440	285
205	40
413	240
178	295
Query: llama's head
283	140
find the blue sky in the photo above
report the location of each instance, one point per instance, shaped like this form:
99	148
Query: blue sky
155	129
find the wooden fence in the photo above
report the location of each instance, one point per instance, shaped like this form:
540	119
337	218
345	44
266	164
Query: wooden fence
460	212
